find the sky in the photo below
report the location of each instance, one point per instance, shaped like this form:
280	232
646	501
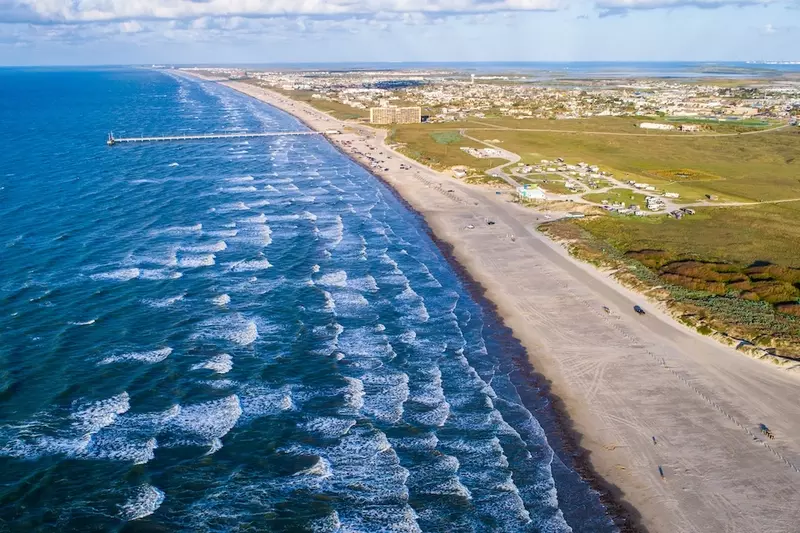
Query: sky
104	32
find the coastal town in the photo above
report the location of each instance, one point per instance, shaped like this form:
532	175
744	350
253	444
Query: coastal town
448	96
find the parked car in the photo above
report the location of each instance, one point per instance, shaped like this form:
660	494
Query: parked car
638	310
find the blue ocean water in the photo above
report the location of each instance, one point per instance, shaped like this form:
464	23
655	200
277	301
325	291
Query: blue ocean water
247	335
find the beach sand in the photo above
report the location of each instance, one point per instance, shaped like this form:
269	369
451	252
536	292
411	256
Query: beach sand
623	379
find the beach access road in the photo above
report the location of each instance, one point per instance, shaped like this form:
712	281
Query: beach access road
622	378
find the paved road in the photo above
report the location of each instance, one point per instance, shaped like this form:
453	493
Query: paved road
499	170
625	134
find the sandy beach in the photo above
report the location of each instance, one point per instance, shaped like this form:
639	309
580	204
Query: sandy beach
643	393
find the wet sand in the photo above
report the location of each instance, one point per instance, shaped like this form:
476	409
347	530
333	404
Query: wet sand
622	378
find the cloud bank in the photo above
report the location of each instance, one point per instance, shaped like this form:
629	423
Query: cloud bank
85	11
44	12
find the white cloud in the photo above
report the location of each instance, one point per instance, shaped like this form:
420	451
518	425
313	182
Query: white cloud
77	11
616	7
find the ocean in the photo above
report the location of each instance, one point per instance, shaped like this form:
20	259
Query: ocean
244	335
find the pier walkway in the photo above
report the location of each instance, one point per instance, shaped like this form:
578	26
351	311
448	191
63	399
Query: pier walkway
116	140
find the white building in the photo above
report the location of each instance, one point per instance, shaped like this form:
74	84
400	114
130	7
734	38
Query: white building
531	193
656	126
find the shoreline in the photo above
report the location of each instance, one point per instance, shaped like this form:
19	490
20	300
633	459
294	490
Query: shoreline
600	370
558	423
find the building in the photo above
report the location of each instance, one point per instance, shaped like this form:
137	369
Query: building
690	127
531	193
395	115
656	126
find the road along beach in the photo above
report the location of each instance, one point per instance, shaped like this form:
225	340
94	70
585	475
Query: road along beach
623	379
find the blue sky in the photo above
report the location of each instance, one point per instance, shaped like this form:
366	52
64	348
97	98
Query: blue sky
81	32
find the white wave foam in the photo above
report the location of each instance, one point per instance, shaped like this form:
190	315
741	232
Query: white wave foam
315	269
333	279
119	445
365	284
259	219
283	218
242	179
153	356
214	447
260	401
248	188
234	206
173	164
123	274
144	502
213	247
164	302
158	274
220	364
330	305
195	261
233	328
321	469
329	427
249	265
258	203
178	230
221	300
86	323
354	393
224	233
333	233
386	395
92	417
208	420
255	235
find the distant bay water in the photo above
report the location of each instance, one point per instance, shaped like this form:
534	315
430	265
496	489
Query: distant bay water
247	335
555	70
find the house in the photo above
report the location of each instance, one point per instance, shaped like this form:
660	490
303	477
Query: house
690	127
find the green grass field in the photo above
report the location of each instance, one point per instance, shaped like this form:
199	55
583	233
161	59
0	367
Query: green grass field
335	109
737	235
556	187
619	124
439	148
617	195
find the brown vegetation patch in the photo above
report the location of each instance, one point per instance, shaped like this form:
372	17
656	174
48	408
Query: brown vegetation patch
789	308
776	292
776	272
651	258
684	174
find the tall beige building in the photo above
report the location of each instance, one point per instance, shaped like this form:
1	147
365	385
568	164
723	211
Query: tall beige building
395	115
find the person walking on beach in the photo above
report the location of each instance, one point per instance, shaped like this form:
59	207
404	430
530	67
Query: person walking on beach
654	440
